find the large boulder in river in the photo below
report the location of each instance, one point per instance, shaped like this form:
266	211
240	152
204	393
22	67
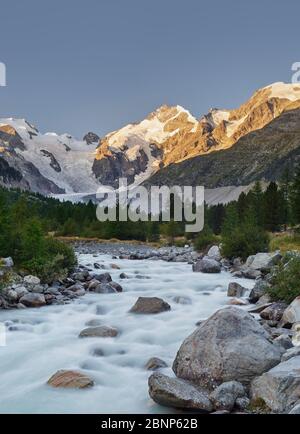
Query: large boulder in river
236	290
230	345
258	290
148	305
280	387
70	380
33	300
173	392
214	253
207	266
291	313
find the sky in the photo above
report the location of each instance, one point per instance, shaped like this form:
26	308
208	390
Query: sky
96	65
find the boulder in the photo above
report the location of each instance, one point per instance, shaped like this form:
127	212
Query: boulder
257	291
214	253
263	261
207	266
291	352
230	345
104	288
295	410
279	388
284	341
173	392
99	332
273	312
236	290
115	267
103	278
116	286
225	395
70	380
155	363
148	305
33	300
31	280
291	313
12	295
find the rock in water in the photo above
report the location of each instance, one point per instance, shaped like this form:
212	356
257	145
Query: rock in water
173	392
99	332
155	363
70	380
33	300
236	290
230	345
148	305
280	387
207	266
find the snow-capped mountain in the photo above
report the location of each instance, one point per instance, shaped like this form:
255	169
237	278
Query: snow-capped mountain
165	146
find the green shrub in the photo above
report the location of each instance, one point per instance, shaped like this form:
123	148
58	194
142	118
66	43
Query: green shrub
243	241
54	261
285	283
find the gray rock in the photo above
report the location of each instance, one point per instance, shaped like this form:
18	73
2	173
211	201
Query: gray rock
124	276
279	388
230	345
295	410
236	290
273	312
38	289
150	305
225	395
257	291
31	280
207	266
284	341
263	261
21	290
33	300
291	352
99	332
116	286
12	295
155	363
104	288
103	278
242	403
173	392
292	313
250	273
214	253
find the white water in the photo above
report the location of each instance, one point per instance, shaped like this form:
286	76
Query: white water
46	340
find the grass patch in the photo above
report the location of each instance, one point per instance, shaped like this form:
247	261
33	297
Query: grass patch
285	242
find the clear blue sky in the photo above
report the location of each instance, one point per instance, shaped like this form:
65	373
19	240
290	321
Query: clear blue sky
75	66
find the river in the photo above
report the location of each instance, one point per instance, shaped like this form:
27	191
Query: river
42	341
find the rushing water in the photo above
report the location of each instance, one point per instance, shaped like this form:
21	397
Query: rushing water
41	341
